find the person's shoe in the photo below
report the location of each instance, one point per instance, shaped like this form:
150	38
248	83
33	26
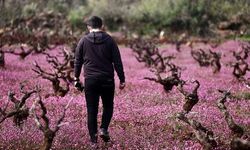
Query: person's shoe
93	139
104	135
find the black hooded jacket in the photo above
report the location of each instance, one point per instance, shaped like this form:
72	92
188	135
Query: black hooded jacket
99	54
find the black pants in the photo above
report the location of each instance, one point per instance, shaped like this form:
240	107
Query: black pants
94	89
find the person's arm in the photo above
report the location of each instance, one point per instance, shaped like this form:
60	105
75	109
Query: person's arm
78	59
118	64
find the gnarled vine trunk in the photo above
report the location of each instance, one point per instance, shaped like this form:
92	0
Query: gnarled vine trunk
49	136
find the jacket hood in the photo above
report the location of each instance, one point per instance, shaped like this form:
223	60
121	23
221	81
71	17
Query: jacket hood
97	37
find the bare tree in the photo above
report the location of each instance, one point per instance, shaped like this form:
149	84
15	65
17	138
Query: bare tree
23	53
170	81
243	53
39	43
240	66
54	78
34	44
206	59
201	57
62	72
215	61
191	98
236	129
67	64
20	111
148	53
237	142
204	135
240	69
48	133
35	33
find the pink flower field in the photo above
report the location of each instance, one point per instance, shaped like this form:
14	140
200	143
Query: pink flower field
144	114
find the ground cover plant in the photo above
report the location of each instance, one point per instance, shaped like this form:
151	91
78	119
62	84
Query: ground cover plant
147	116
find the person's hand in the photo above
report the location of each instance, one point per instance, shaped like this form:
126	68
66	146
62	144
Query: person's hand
78	85
122	85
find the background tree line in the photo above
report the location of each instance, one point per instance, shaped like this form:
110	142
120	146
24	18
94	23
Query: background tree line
146	17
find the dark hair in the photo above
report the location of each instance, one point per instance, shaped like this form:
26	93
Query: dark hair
94	22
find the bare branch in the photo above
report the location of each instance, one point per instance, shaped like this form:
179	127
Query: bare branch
240	66
204	135
54	77
148	53
151	79
44	112
170	81
20	111
206	59
59	122
191	98
41	72
240	144
240	69
36	118
22	53
48	133
236	129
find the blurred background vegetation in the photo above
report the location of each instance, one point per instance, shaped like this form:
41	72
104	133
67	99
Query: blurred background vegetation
143	17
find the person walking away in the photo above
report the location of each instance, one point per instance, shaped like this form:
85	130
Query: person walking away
99	54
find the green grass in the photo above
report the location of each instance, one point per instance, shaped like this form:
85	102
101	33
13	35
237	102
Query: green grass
244	37
241	38
242	95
